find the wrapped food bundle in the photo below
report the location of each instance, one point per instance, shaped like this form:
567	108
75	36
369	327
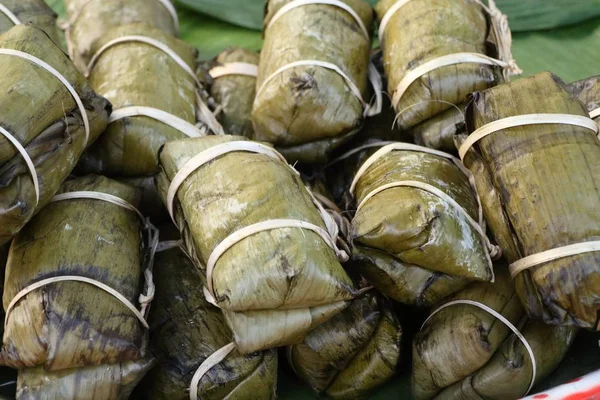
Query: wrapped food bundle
536	164
588	92
74	308
312	92
106	381
185	330
418	231
90	20
34	12
479	344
147	111
265	247
435	54
233	87
353	353
46	124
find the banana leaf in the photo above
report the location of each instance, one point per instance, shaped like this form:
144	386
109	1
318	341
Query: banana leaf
352	354
235	93
74	324
424	30
43	116
34	12
404	282
112	381
538	211
412	228
95	19
307	111
127	75
439	132
508	374
274	286
588	92
185	329
464	352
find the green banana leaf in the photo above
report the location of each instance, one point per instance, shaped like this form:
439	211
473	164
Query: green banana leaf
524	15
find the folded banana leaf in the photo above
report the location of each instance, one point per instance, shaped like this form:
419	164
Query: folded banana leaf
72	324
34	12
339	173
92	20
111	381
273	286
419	238
127	74
508	373
235	93
465	352
588	92
539	211
352	354
43	116
307	111
438	132
424	30
404	282
185	329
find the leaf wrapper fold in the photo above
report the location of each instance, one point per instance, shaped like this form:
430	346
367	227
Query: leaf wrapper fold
352	354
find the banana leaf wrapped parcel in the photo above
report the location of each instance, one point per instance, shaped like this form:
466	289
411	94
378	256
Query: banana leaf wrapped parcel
312	91
352	354
127	72
467	349
185	330
438	132
418	231
435	54
105	381
588	92
89	21
537	173
233	74
34	12
74	308
266	251
46	124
